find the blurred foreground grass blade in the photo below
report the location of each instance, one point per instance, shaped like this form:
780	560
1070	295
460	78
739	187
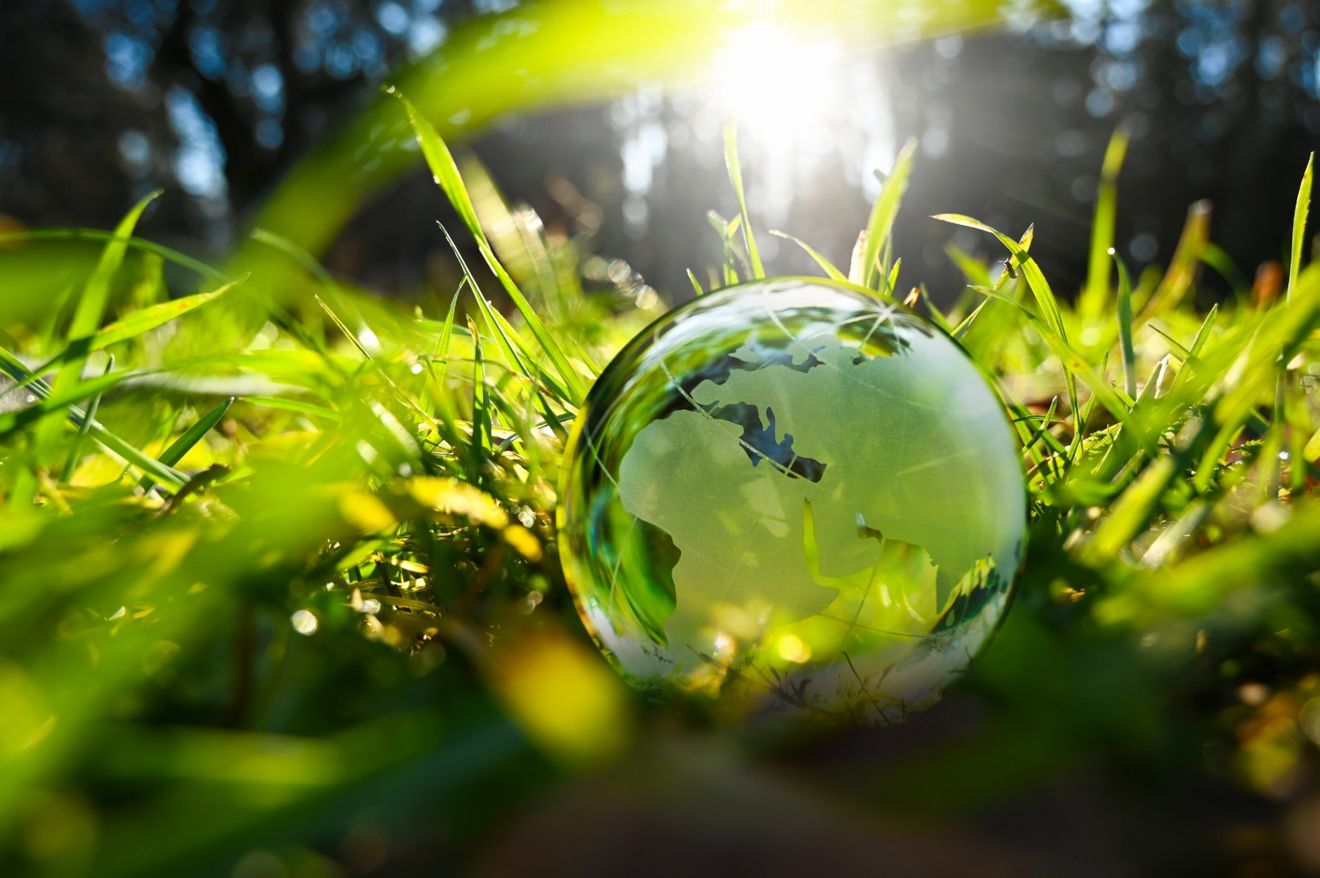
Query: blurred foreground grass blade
261	790
1199	586
189	577
101	236
1131	512
562	694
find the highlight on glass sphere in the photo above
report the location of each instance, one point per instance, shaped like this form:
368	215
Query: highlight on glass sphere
791	495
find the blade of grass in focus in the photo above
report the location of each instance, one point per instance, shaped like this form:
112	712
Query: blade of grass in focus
883	213
734	167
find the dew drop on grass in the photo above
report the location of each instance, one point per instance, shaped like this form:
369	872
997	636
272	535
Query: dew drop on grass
790	495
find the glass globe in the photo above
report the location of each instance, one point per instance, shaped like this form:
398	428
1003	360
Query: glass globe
792	495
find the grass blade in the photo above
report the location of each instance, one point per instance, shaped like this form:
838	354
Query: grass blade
90	309
445	172
15	368
1102	225
1300	213
891	281
515	351
1051	315
139	322
1125	327
830	269
696	284
735	177
1187	257
91	305
883	213
1131	512
75	450
1021	261
294	405
194	434
1256	368
166	253
1203	334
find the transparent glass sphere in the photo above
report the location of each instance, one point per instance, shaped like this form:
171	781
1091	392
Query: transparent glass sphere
791	495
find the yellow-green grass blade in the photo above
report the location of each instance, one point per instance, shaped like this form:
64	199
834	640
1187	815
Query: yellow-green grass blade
131	455
1125	326
190	437
570	52
830	269
734	167
1050	313
445	172
89	311
137	323
883	212
1103	222
80	439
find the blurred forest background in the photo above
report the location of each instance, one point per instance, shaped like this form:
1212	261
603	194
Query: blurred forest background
104	100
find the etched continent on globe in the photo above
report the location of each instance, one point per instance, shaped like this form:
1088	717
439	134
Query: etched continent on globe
791	489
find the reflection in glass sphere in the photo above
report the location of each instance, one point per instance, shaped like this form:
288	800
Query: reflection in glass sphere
792	495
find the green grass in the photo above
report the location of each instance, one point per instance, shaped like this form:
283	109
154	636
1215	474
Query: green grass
383	478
